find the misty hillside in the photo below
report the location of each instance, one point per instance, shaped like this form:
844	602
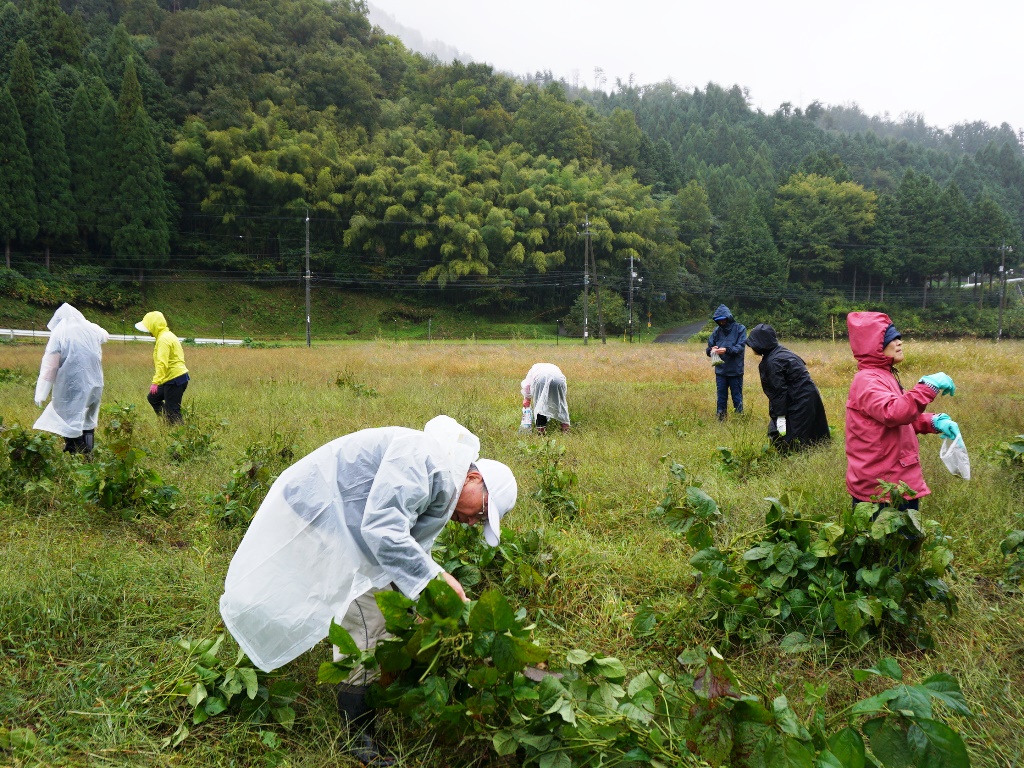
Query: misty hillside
150	141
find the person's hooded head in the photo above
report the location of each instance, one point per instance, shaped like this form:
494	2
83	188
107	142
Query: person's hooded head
489	492
870	334
722	316
762	339
65	312
152	323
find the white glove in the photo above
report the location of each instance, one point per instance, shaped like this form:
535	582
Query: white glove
780	424
39	403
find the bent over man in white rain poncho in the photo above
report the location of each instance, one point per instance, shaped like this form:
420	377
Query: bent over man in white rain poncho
72	368
356	516
544	387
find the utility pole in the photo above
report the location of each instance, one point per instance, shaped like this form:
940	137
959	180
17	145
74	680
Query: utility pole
308	277
586	275
597	293
632	274
1002	290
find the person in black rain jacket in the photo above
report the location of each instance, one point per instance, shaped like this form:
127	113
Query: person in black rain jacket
794	404
727	340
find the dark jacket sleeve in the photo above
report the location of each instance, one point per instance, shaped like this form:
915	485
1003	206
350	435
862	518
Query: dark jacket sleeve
775	382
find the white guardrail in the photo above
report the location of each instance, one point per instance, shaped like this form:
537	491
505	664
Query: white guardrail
11	333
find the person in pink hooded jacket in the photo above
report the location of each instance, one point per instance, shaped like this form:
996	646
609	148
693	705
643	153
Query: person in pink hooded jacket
882	419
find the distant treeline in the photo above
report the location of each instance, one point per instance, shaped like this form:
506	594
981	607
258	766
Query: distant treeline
147	139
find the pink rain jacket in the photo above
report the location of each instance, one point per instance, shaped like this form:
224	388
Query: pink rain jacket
882	421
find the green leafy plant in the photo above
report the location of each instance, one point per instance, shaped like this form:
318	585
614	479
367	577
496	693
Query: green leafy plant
467	672
347	381
1011	453
746	460
555	484
211	686
521	564
237	501
1013	546
192	439
809	576
12	376
30	454
686	509
117	479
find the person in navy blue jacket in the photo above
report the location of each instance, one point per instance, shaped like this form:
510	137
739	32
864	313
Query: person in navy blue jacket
728	340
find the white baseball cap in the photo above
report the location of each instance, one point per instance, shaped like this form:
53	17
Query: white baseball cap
502	492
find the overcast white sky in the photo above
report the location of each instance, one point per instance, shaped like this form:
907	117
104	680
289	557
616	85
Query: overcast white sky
948	61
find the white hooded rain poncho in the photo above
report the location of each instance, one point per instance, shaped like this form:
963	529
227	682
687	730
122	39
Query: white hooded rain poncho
358	513
73	367
545	386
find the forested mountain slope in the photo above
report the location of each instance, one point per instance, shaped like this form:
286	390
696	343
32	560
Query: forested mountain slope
148	139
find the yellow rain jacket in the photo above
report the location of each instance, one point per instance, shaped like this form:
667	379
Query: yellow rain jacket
168	357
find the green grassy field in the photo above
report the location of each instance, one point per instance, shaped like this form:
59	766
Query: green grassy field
277	313
91	605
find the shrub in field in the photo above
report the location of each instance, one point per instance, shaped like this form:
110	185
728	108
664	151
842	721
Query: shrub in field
1011	454
555	486
237	501
346	381
520	564
1013	546
810	576
31	466
192	439
464	672
746	460
210	686
116	478
12	376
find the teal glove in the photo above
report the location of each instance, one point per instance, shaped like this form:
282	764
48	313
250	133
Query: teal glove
945	426
940	382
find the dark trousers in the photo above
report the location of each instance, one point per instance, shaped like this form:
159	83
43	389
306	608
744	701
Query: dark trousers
725	384
81	444
166	401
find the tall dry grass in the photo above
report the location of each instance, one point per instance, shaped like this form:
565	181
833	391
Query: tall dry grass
90	605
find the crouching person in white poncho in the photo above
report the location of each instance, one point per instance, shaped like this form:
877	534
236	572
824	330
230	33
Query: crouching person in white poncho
356	516
72	371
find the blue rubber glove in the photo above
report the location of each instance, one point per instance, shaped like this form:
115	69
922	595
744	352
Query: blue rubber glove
940	382
945	426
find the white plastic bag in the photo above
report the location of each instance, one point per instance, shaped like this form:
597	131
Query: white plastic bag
716	359
527	421
954	455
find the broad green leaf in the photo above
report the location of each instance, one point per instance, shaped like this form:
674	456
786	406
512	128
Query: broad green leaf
392	656
578	657
340	637
555	760
795	642
946	689
197	694
821	548
482	677
248	676
511	654
332	673
702	504
285	716
395	607
889	744
787	720
936	745
504	743
848	746
827	760
438	599
889	667
848	616
492	613
757	553
214	705
610	667
939	559
874	704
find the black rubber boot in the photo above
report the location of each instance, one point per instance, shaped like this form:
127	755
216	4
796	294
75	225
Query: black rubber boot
360	719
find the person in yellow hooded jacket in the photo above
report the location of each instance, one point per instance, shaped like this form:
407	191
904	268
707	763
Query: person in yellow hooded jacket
170	378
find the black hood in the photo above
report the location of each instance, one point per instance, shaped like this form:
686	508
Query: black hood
762	339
